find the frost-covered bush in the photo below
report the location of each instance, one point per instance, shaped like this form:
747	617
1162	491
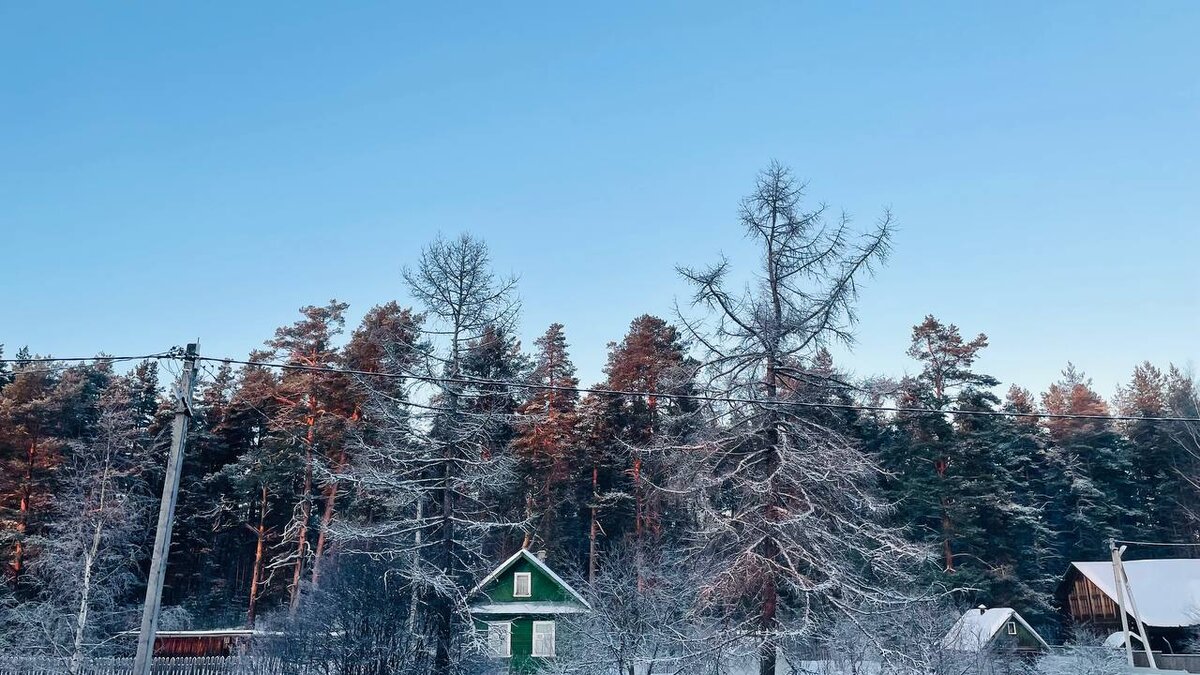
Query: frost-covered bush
1084	654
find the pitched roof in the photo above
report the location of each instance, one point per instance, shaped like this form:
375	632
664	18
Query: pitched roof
523	553
528	608
975	629
1166	592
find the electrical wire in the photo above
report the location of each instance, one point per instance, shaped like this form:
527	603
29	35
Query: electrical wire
170	353
176	354
1157	543
694	397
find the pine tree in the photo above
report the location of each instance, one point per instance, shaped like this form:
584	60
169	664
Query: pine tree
1155	458
1096	494
1030	566
32	416
1183	400
545	443
312	415
938	470
647	430
496	357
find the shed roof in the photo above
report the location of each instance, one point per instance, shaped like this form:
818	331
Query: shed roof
1166	592
975	629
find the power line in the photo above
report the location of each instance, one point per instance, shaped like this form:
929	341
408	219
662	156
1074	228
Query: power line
175	353
1157	543
693	397
168	354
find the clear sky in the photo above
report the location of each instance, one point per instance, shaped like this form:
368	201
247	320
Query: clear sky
179	170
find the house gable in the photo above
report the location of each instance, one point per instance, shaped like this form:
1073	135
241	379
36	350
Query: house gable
549	593
1167	592
980	629
542	587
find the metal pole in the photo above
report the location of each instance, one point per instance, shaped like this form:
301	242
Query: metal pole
1120	588
166	514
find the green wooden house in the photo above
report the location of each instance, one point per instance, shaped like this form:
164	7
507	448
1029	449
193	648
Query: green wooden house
518	608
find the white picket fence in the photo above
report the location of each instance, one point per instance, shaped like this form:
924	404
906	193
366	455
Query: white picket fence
205	665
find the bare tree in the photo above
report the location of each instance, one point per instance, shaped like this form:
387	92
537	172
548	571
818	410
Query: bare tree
632	630
788	518
427	456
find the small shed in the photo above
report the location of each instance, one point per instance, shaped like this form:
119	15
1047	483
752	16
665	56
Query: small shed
995	629
219	642
518	607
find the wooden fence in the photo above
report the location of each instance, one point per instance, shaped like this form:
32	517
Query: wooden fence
206	665
1188	662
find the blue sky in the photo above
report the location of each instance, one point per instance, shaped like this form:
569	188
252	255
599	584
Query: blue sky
169	171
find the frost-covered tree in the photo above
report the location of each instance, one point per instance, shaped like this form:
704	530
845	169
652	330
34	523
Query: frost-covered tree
90	553
430	460
1156	459
634	630
788	518
1092	477
1083	654
1183	400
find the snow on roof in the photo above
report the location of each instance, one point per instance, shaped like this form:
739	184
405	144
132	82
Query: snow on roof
536	563
220	632
975	629
1166	592
527	608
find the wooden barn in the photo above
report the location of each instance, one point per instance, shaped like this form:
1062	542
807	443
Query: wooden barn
518	606
1166	592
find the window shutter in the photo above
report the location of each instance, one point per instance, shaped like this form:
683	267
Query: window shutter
499	640
543	638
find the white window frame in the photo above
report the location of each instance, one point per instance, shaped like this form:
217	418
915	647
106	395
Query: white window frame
492	625
534	639
528	576
1012	627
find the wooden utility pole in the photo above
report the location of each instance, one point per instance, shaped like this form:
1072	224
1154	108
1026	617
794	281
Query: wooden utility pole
166	514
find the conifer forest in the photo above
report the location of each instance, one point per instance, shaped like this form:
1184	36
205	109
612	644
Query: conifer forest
730	489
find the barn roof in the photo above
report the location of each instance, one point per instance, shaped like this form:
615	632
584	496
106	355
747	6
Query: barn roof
1167	592
975	629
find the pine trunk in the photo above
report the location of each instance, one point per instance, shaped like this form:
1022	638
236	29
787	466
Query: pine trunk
594	527
256	571
331	493
305	509
18	562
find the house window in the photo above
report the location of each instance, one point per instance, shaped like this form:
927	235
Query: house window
543	638
499	640
522	585
1012	627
